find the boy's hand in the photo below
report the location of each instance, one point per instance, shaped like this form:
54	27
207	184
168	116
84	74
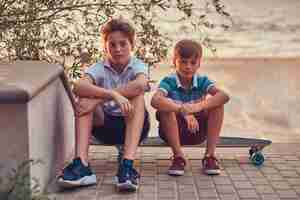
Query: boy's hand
192	123
85	106
123	102
188	108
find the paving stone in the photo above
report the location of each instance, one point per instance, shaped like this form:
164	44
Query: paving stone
278	178
207	193
295	164
147	189
238	177
147	180
289	174
166	184
229	197
269	170
209	184
164	163
247	193
225	189
234	170
165	177
62	196
277	160
287	194
186	180
187	195
254	174
297	189
280	185
291	158
202	177
284	166
108	180
269	197
259	181
274	177
148	173
249	167
242	184
264	189
222	181
166	193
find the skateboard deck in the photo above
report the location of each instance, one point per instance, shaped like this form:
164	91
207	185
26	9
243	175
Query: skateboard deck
223	142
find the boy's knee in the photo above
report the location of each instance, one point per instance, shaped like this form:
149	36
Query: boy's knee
166	115
138	99
216	110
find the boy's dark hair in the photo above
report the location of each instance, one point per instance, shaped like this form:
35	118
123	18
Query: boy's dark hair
187	49
118	25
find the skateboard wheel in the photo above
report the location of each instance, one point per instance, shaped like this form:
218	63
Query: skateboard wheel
257	158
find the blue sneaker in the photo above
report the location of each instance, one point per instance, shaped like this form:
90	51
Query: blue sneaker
127	177
76	174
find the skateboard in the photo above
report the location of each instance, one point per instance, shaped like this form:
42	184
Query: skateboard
255	152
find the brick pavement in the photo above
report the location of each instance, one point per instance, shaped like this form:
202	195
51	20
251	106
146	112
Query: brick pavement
278	178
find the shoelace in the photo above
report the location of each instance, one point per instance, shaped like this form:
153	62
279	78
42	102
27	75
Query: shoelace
208	160
178	160
70	166
135	173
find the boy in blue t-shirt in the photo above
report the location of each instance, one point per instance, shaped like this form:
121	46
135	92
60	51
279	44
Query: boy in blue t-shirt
111	107
190	108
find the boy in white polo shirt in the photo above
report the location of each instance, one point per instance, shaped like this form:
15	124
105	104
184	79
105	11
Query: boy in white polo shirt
111	107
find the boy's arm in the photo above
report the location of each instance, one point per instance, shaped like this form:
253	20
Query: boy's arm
218	98
162	103
85	87
135	87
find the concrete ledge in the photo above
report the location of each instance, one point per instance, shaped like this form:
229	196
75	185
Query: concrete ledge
36	119
23	80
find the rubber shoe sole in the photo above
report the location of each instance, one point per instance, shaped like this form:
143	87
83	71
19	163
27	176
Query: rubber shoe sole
128	186
212	171
84	181
176	172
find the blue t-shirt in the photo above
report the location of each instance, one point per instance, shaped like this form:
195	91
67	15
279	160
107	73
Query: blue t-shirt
173	89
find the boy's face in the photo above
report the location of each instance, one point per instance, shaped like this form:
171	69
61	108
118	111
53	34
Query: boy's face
118	48
187	67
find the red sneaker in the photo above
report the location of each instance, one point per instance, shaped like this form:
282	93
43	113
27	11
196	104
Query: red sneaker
210	165
177	167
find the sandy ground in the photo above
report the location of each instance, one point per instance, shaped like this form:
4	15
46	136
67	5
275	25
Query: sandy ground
260	28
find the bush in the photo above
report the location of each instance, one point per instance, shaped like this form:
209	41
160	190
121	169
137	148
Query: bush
20	185
61	31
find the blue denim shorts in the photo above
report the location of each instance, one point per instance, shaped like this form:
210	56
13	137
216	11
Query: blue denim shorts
113	130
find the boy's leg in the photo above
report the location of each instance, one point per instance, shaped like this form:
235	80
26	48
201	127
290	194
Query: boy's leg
170	129
169	126
78	172
134	126
83	127
127	177
215	121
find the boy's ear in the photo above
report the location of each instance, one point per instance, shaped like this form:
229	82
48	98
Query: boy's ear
174	60
104	47
132	45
